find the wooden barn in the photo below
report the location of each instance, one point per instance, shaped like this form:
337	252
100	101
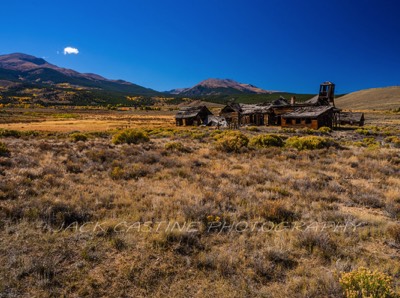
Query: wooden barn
188	116
312	117
350	118
247	114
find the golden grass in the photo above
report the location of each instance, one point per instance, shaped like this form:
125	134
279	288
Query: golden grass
94	186
86	122
371	99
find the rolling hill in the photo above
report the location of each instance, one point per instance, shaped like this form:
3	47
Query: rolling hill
371	99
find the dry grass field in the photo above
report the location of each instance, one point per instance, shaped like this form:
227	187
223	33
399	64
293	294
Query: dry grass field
376	98
68	120
156	211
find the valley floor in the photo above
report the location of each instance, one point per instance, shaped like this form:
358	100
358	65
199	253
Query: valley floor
184	213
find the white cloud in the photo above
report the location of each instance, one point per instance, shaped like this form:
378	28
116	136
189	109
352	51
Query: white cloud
71	50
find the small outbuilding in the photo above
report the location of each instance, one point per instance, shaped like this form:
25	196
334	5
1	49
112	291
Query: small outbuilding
350	118
192	116
232	114
312	117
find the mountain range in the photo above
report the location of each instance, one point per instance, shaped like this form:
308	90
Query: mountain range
22	68
28	79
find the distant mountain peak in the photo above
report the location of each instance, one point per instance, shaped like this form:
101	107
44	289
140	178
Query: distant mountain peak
215	86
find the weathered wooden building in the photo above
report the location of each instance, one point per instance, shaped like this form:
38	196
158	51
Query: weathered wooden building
314	113
231	112
312	117
197	115
247	114
350	118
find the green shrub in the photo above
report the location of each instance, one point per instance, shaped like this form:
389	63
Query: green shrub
307	131
4	150
309	142
364	283
176	146
264	141
65	116
130	136
253	128
118	173
395	141
198	135
9	133
370	143
30	133
162	132
369	130
77	136
99	134
288	130
133	172
325	130
363	131
217	133
231	141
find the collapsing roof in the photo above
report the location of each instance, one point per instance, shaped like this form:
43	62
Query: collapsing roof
190	112
308	112
279	102
317	100
246	109
217	121
254	109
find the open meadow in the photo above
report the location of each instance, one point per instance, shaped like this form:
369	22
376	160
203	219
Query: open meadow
97	203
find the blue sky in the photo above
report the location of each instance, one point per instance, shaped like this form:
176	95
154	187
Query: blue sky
273	44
